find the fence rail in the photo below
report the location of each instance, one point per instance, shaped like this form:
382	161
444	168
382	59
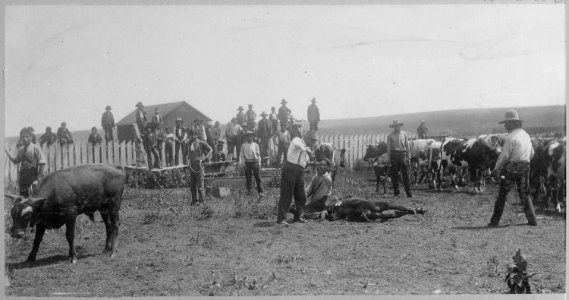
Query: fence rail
131	154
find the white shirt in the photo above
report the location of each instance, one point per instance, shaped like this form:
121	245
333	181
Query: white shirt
297	152
517	148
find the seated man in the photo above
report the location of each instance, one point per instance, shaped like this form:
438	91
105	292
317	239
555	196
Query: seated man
321	204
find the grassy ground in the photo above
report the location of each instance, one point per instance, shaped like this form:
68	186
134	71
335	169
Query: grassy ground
232	247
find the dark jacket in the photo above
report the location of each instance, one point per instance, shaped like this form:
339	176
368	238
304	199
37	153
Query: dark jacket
49	138
64	136
265	129
94	139
107	120
313	113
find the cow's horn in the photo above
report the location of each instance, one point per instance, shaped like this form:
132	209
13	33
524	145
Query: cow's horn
27	210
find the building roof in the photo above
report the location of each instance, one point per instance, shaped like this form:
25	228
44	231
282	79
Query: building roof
165	110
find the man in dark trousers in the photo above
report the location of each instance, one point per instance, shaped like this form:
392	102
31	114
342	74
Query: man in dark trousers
422	130
512	168
198	151
141	118
313	115
108	123
292	177
399	156
32	162
48	137
264	132
151	146
250	161
284	113
180	138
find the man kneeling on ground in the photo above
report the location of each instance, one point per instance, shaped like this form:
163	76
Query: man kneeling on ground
321	204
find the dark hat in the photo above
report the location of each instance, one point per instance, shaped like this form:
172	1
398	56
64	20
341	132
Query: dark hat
311	134
263	114
179	119
283	101
250	105
313	100
139	104
108	107
396	123
95	128
240	108
249	133
191	132
511	116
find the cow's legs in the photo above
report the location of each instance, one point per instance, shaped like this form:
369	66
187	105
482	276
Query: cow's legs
70	236
105	215
40	230
115	222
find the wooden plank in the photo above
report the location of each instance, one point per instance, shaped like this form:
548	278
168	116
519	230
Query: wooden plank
83	154
122	154
97	154
76	154
116	153
129	154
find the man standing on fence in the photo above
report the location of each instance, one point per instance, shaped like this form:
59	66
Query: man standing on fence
32	163
284	113
151	146
399	156
313	114
198	152
251	117
141	118
214	134
108	124
63	135
180	132
422	130
48	137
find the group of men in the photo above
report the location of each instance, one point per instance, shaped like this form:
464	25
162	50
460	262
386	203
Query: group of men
280	126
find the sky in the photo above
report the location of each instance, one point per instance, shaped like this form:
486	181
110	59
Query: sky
66	63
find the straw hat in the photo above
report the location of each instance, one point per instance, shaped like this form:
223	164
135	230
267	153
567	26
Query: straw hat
139	104
511	116
396	123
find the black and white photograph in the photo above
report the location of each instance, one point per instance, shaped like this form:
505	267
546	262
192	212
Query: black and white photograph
240	149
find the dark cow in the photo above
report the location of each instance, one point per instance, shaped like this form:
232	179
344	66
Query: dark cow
425	154
547	168
337	160
474	154
62	196
374	151
357	209
376	156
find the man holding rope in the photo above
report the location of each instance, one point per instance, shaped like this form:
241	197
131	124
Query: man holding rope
198	151
33	162
513	168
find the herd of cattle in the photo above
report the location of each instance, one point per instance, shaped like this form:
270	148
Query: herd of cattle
474	158
63	195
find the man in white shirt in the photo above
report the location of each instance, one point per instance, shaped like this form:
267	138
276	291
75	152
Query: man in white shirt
292	177
250	161
513	168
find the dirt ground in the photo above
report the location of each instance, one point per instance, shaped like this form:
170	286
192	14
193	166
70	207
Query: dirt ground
232	247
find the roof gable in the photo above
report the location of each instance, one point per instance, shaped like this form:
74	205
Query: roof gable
165	110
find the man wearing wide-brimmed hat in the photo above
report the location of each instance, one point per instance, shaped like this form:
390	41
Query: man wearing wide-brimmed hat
250	161
284	113
181	137
150	142
292	177
512	168
241	118
141	117
264	133
108	123
313	115
398	156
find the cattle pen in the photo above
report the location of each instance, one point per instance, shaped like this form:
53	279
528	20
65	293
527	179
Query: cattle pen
130	154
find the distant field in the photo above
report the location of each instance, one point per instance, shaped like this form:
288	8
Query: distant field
464	122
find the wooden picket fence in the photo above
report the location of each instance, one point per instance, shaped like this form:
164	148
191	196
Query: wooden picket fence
131	154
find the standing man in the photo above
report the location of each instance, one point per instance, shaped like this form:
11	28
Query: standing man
32	163
141	118
151	146
513	168
422	130
264	132
399	155
181	138
214	134
63	135
292	178
241	118
48	137
250	161
273	117
283	140
170	145
235	134
251	117
198	151
284	113
157	119
313	115
199	129
108	123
